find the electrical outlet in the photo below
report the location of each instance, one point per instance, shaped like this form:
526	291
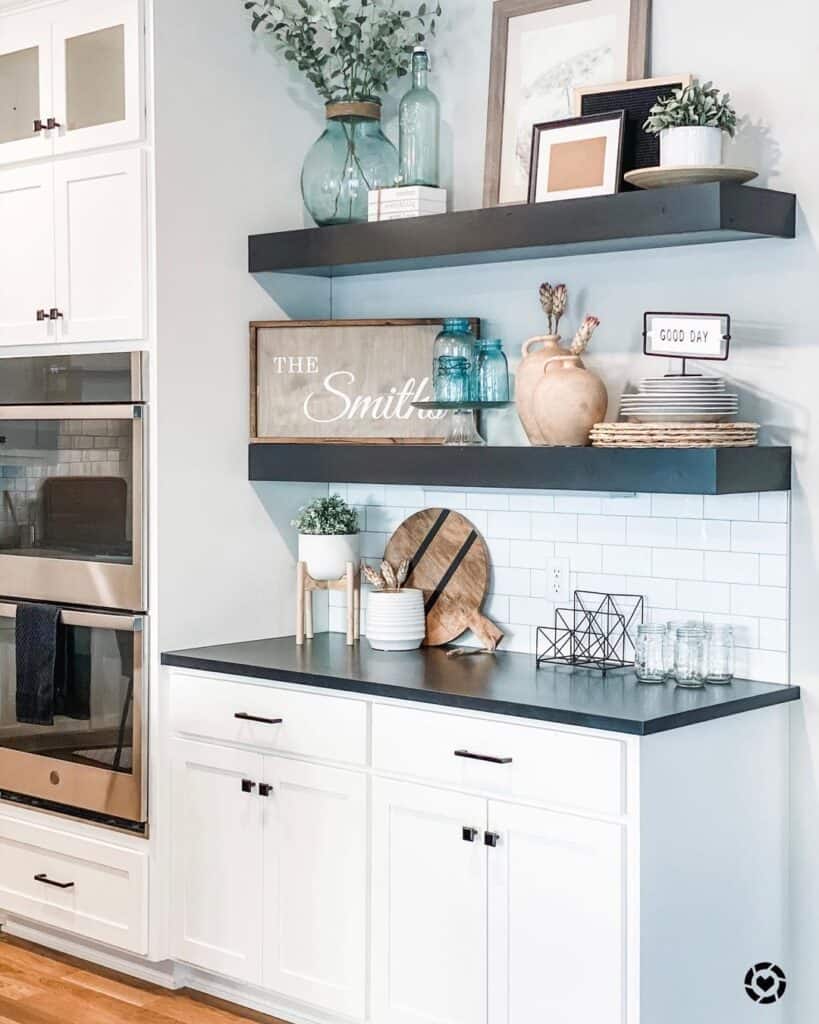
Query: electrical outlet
557	579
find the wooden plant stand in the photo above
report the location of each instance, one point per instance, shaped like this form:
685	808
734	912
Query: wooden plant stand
349	582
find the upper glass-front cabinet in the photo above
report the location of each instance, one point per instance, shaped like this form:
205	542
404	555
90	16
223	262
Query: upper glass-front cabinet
71	78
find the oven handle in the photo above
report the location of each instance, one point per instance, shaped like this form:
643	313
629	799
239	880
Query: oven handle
49	881
118	411
92	620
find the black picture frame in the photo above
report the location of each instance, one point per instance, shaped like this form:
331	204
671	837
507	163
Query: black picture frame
538	130
726	337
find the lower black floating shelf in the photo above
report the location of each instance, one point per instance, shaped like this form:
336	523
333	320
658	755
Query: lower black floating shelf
647	470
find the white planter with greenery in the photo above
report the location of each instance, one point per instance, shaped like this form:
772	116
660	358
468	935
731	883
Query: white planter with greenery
328	537
692	123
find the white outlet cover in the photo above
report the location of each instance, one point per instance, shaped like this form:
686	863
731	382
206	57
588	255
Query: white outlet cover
557	579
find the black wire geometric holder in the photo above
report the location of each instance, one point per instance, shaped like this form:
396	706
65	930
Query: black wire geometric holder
597	632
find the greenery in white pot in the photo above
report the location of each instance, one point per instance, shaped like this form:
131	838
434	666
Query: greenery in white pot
349	51
328	537
691	123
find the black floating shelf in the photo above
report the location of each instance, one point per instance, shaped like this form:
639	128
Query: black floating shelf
649	470
682	215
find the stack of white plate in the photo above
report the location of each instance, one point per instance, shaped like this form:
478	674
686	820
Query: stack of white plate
680	400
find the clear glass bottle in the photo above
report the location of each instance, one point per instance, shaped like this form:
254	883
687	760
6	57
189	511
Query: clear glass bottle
492	372
649	652
452	379
719	653
419	119
455	339
689	656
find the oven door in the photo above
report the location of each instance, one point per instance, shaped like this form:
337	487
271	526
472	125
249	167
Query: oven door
72	483
95	760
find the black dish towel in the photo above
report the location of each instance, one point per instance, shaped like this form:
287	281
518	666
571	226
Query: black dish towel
39	661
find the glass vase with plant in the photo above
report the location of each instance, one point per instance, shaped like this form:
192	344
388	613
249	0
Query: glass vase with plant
692	122
349	51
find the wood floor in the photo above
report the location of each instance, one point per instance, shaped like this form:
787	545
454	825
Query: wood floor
41	987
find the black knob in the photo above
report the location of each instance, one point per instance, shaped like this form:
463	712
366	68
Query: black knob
39	126
54	314
265	789
52	123
491	838
41	315
248	786
469	834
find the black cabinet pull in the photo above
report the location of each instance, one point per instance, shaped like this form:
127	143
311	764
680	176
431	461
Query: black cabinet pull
39	126
468	834
52	123
54	314
491	838
482	757
265	789
57	885
245	717
41	315
248	786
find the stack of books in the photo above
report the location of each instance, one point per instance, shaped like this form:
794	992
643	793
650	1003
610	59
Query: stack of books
409	201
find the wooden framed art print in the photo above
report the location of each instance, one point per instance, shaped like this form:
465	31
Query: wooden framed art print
576	157
542	50
345	381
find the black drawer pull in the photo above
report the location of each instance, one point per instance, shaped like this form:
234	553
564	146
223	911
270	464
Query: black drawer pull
57	885
245	717
483	757
265	789
248	786
469	835
491	838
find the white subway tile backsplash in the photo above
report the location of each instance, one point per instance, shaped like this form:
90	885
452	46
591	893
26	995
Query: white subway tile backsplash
677	506
717	559
731	567
764	538
677	564
601	529
732	506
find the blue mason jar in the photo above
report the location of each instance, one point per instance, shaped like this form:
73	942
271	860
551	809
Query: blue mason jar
456	339
452	379
491	372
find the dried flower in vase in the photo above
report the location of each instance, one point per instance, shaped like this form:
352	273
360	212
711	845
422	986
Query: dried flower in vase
561	299
388	580
584	334
547	301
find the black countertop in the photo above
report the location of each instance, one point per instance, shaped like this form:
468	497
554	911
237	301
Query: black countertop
503	684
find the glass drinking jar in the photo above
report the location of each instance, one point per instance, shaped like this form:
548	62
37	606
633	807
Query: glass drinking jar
492	372
670	642
452	379
649	652
455	339
689	656
719	653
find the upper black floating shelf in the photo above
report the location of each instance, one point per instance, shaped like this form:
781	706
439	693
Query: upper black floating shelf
648	470
683	215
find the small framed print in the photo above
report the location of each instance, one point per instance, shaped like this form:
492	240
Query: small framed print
687	335
576	157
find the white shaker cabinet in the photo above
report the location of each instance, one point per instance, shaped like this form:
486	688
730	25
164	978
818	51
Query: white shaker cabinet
429	906
71	78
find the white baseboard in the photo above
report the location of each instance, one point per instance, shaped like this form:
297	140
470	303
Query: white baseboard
166	973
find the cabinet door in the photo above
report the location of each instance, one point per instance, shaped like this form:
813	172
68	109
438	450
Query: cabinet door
556	918
315	885
428	906
26	254
25	85
216	860
100	246
98	74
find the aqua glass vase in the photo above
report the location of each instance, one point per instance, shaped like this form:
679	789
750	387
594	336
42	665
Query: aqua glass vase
419	120
350	157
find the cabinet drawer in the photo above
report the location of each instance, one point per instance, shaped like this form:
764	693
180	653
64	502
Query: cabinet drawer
531	764
308	724
102	890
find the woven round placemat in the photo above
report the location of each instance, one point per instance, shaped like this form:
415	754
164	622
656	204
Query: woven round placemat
674	435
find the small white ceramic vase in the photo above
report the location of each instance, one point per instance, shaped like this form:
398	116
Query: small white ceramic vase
691	146
396	619
327	556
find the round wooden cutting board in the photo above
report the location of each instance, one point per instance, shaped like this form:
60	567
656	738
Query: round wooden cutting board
449	561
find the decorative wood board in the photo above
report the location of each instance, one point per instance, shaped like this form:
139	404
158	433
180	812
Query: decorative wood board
449	561
343	381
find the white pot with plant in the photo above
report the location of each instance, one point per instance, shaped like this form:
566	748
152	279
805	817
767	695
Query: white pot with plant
396	620
692	124
328	537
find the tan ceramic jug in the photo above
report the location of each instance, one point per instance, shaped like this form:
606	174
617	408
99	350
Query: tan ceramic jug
568	401
529	375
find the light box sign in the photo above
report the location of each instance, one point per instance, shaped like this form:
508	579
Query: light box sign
687	335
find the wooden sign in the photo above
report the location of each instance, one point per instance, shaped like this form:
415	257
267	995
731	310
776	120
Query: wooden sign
687	335
344	381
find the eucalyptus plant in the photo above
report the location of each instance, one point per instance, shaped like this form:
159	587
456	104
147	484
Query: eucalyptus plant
693	105
347	49
327	517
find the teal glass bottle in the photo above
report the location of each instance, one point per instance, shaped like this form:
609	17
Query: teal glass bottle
419	120
492	371
455	340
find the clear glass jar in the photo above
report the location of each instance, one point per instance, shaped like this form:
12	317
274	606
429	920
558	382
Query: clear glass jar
455	339
689	656
719	653
649	652
419	120
671	628
492	372
452	379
